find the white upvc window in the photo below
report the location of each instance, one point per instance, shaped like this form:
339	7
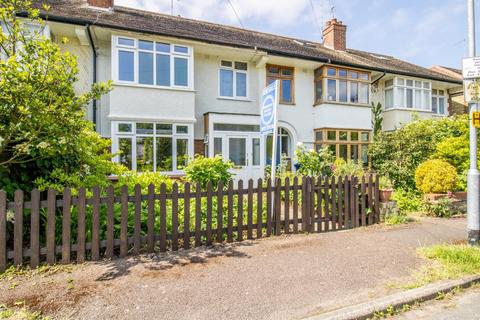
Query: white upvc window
408	93
233	79
152	146
152	63
439	102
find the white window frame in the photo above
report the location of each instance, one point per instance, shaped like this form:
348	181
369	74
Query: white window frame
437	97
337	92
401	82
116	47
235	71
116	135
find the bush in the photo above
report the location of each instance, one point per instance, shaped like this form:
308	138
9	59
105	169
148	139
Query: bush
132	178
312	163
407	201
442	208
398	153
395	219
435	176
347	168
385	183
203	170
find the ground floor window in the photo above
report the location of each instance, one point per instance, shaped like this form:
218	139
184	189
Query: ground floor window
148	146
345	144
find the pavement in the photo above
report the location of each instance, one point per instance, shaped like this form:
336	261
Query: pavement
286	277
463	306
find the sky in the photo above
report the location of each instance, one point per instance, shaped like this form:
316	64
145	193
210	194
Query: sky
424	32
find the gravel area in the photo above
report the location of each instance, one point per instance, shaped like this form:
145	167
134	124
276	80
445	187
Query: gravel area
286	277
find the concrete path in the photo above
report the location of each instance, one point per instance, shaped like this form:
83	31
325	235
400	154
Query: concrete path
287	277
464	306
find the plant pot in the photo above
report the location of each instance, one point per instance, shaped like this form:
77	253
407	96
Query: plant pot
385	195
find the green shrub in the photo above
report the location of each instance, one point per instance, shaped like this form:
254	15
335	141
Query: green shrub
132	178
435	176
398	153
441	208
396	219
203	170
385	183
347	168
407	201
313	163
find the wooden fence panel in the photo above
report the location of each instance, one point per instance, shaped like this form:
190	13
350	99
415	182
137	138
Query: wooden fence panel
230	212
240	212
175	217
363	202
287	206
3	230
66	225
259	208
123	221
82	198
198	215
250	210
269	208
377	199
220	212
137	227
51	208
295	205
34	229
163	218
326	204
151	219
110	222
96	224
333	204
186	217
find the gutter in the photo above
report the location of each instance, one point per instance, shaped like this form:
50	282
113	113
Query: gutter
378	79
78	21
94	80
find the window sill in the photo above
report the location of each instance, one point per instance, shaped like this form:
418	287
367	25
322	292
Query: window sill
234	99
362	105
408	109
287	103
146	86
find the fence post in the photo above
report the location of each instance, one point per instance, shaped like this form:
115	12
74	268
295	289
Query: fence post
208	229
377	199
186	218
269	207
137	227
259	208
327	204
333	208
220	211
81	225
277	205
34	229
175	217
163	218
311	203
51	208
96	224
3	230
66	226
123	221
295	205
287	206
364	210
371	214
250	210
240	211
304	205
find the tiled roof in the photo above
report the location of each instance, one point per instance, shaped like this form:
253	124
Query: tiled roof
77	12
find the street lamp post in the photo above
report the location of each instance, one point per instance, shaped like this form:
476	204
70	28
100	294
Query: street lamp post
473	178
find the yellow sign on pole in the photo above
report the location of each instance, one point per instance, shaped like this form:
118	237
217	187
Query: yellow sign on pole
476	119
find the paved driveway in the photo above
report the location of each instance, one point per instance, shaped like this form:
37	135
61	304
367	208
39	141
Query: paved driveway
287	277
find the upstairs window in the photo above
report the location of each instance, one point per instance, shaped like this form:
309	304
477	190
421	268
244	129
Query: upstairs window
407	93
152	63
333	84
233	79
286	77
438	101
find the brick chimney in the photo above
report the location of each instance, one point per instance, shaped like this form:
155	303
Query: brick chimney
335	35
101	3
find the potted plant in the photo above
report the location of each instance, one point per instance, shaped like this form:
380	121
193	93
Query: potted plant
386	189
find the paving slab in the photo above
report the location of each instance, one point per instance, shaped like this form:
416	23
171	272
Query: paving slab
286	277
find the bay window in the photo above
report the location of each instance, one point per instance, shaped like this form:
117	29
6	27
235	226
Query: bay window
341	85
407	93
349	145
233	79
152	63
146	146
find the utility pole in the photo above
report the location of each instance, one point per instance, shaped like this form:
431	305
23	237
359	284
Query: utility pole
473	178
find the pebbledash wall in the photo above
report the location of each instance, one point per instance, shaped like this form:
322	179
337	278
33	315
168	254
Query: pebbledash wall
196	109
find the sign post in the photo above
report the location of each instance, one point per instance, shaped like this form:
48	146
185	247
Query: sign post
471	75
268	118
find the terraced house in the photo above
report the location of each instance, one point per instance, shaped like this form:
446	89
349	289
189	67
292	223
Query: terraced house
185	87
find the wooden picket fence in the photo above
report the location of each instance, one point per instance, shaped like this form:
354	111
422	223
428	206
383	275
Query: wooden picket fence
94	224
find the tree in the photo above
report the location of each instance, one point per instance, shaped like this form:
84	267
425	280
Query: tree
377	118
45	138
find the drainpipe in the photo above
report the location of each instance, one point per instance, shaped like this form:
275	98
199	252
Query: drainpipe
378	79
94	80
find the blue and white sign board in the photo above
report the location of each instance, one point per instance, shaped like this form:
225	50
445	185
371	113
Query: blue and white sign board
268	112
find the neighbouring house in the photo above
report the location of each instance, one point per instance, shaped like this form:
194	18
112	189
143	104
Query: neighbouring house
185	87
456	102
